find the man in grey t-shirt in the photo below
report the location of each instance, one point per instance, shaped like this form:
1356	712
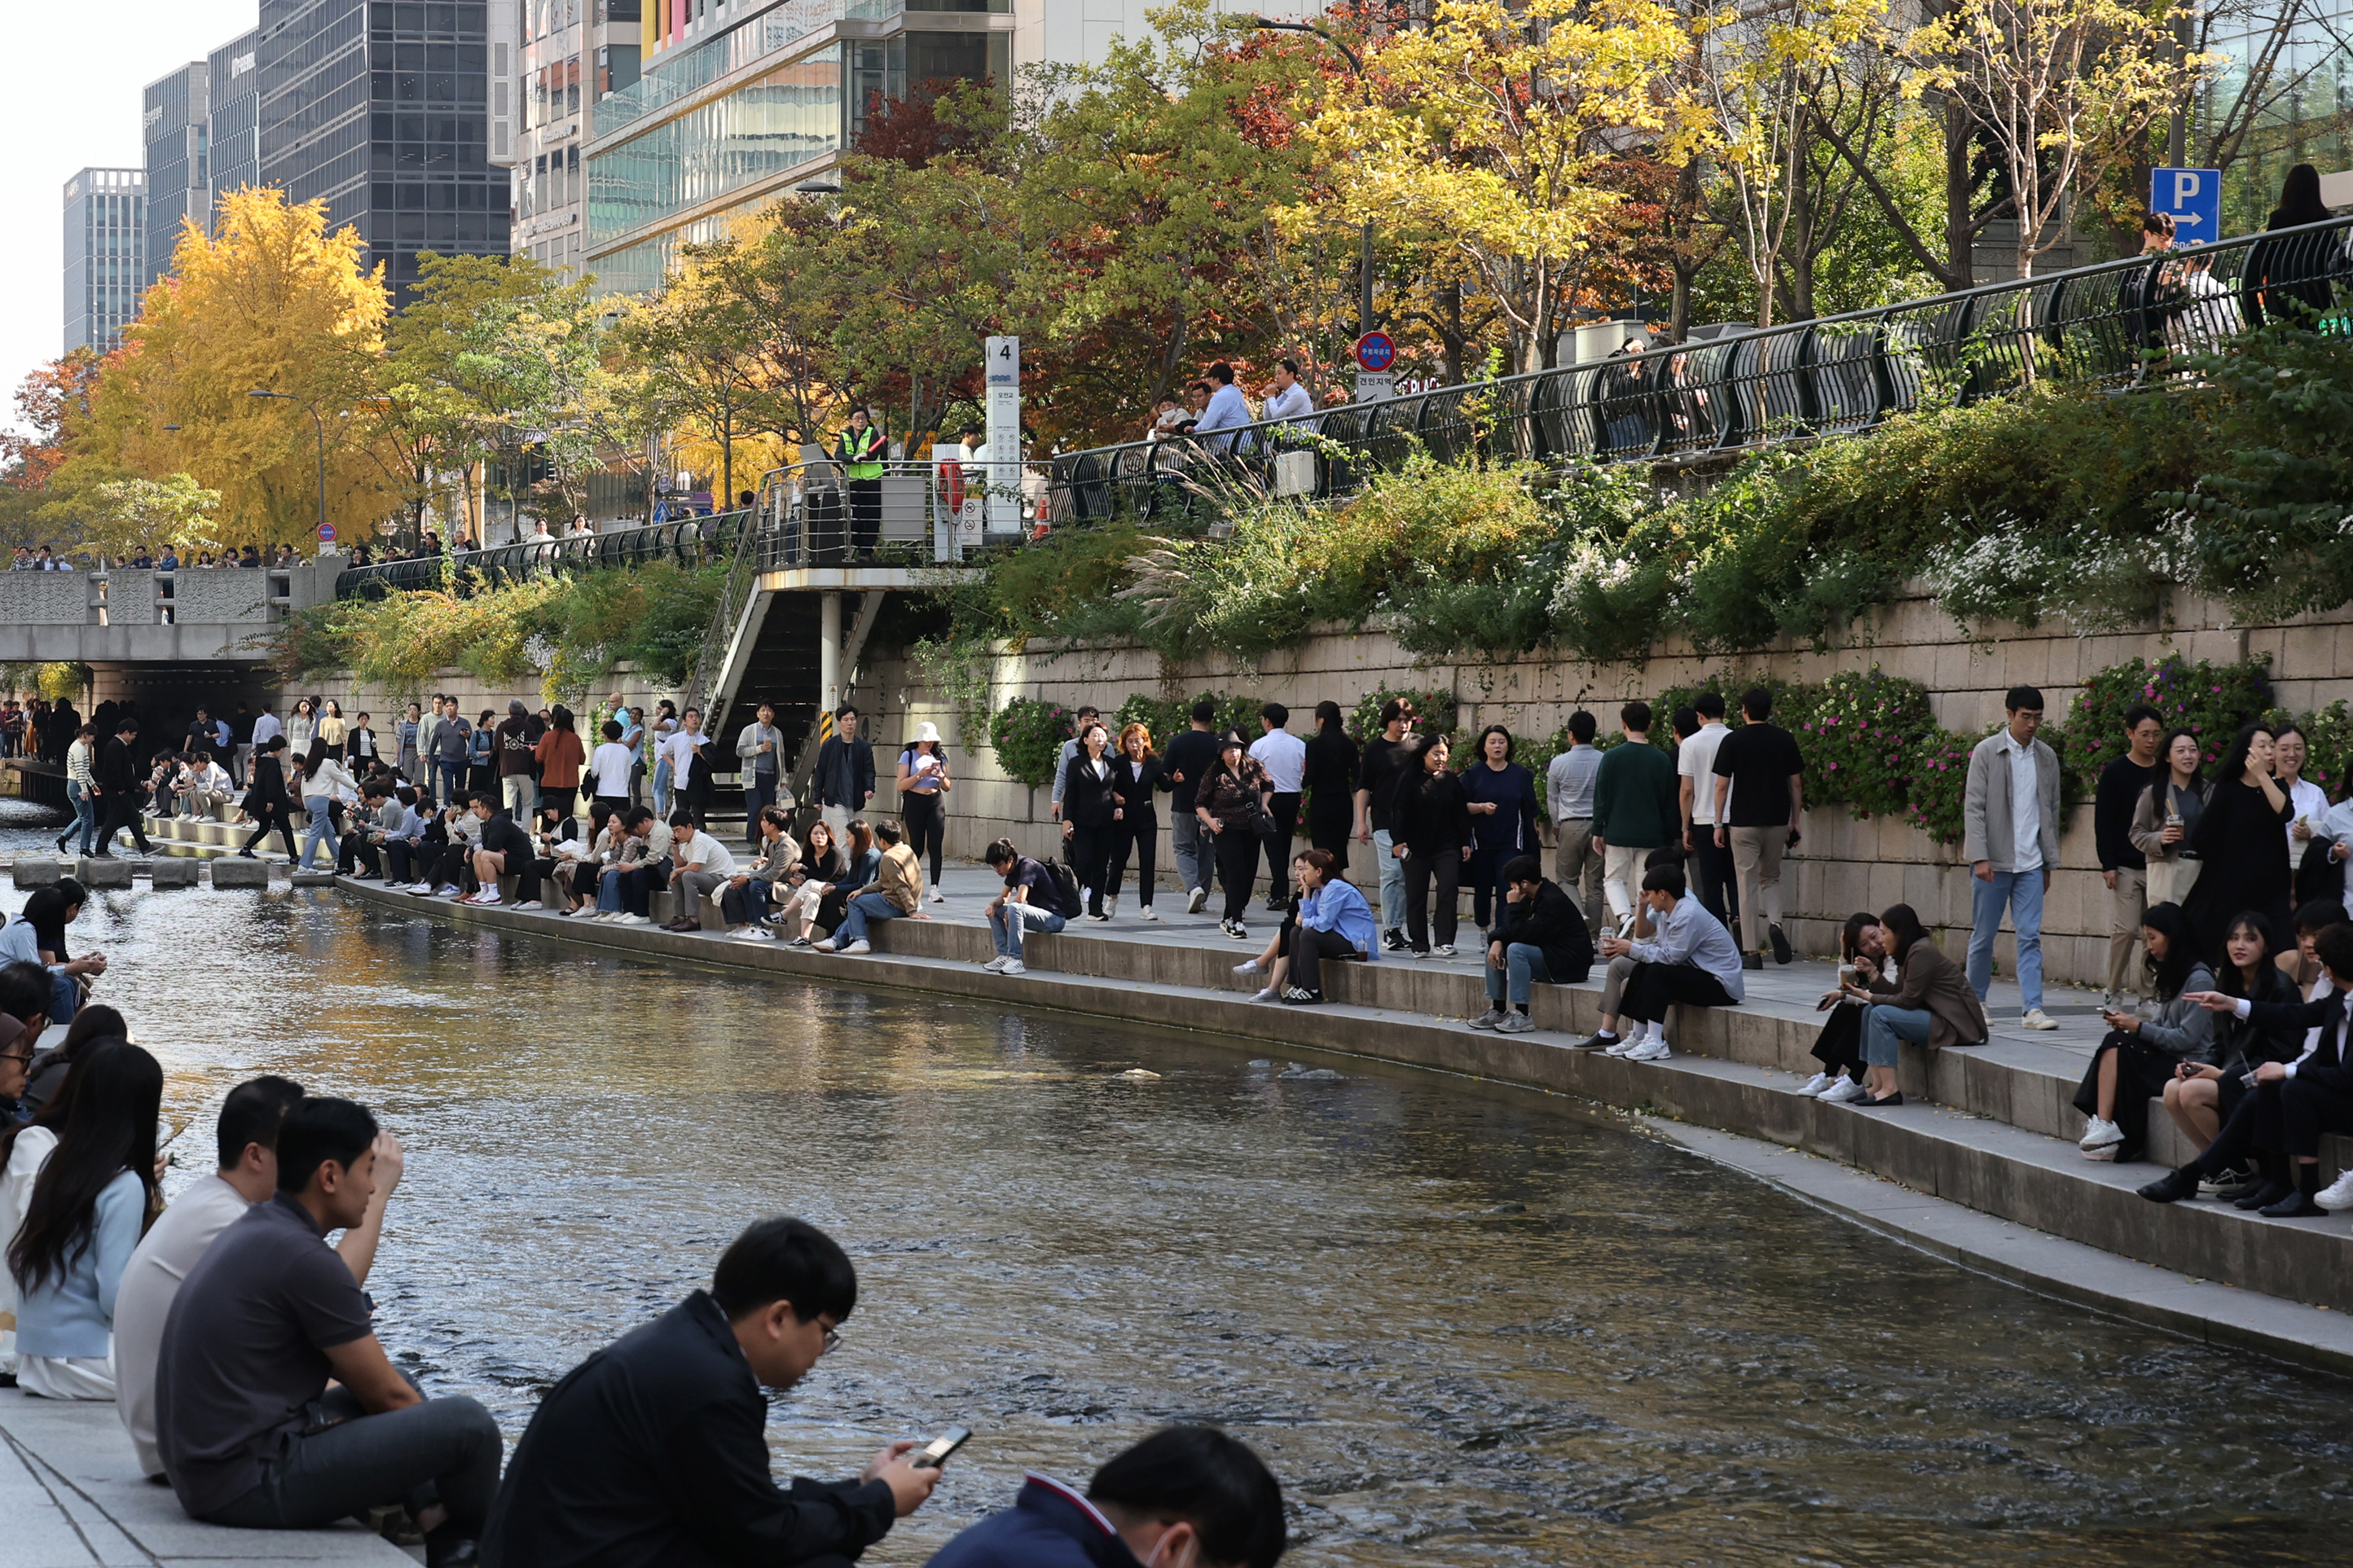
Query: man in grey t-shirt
1568	789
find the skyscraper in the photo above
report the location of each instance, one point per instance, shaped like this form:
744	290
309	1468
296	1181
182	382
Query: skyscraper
178	184
573	52
106	254
234	84
382	111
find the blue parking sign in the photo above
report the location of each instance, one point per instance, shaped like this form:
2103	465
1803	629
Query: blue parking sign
2194	198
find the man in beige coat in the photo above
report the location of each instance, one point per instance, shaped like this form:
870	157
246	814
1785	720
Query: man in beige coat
2009	836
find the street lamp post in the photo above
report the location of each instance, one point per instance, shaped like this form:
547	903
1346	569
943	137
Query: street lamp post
1365	240
321	425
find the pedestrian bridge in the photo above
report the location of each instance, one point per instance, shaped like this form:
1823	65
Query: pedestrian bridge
212	616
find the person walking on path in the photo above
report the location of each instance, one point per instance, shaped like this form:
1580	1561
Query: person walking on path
1137	774
1760	799
1568	787
268	801
81	790
1634	810
121	791
2009	838
559	753
1231	806
1283	755
2123	867
862	453
923	785
324	783
1090	814
758	748
1502	800
1330	781
1714	881
1190	757
1385	762
512	741
845	772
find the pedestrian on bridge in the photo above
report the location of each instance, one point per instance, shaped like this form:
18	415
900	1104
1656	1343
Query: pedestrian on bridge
861	454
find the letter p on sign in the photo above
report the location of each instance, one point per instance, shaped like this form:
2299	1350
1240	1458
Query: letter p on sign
2194	197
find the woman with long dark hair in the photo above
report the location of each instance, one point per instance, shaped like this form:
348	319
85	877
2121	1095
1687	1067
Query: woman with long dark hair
268	801
2241	844
923	785
90	1206
2295	279
2138	1057
47	1075
1862	958
2201	1095
861	863
1330	778
1089	813
1430	827
1136	774
560	752
2166	815
1231	803
1929	1002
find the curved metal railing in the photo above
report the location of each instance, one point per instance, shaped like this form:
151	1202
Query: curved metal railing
2115	324
686	543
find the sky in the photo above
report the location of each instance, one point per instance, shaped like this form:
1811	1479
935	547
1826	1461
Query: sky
69	100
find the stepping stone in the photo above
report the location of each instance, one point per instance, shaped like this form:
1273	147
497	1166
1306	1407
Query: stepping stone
95	873
230	871
315	878
37	873
172	871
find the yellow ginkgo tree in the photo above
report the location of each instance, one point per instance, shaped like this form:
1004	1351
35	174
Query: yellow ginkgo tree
1490	124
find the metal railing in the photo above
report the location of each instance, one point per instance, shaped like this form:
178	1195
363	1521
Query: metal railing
2118	324
686	543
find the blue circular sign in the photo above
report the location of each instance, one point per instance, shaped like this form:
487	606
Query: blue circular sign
1376	351
327	533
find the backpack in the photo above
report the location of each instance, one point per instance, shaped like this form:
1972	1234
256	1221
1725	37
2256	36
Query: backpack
1066	889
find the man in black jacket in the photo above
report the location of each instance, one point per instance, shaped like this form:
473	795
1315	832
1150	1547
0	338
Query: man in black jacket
845	774
121	791
2123	867
1540	936
653	1452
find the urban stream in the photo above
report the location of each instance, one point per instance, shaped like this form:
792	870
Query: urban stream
1466	1324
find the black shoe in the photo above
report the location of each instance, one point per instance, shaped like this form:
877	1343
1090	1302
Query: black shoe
61	844
1597	1042
103	855
1780	943
2297	1205
2236	1184
1887	1100
2173	1186
1392	940
1752	961
2263	1197
246	855
458	1552
1299	996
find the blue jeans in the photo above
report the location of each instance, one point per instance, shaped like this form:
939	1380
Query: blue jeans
2022	891
661	788
1525	963
865	906
1006	921
608	892
321	826
65	998
1392	880
85	814
453	779
1197	862
1883	1026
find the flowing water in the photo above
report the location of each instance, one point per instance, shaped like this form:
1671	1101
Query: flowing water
1466	1325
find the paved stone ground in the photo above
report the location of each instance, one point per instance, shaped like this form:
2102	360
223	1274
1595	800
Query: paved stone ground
71	1497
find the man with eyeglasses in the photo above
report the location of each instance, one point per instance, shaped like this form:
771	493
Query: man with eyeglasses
16	1065
654	1450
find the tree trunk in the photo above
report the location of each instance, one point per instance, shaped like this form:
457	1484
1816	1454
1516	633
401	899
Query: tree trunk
1958	250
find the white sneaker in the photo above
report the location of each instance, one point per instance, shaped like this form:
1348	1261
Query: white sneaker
530	904
938	897
1246	966
1444	949
1014	966
1147	913
1626	1044
1845	1090
449	890
996	965
420	887
2101	1133
825	946
861	945
1816	1084
1265	995
1652	1050
2338	1193
633	919
1625	926
1110	906
1196	901
2036	1018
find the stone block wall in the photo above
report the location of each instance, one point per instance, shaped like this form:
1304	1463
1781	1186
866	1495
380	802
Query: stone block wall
46	599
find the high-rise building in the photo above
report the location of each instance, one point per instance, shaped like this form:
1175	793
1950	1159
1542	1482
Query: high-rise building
233	80
179	185
573	51
382	111
106	255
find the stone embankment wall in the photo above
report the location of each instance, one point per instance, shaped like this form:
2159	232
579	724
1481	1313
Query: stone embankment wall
1845	865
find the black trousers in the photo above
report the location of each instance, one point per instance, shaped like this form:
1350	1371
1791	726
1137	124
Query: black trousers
1307	950
400	859
2308	1111
122	812
1331	828
266	818
1484	872
1090	851
1143	839
1838	1046
1714	880
1237	867
1653	988
865	514
640	883
356	851
927	818
1445	868
2142	1073
2253	1127
1284	809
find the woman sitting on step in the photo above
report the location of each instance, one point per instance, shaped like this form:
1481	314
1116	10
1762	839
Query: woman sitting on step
2200	1096
2137	1057
1862	958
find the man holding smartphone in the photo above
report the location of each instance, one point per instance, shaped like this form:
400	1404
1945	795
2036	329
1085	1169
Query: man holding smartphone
654	1450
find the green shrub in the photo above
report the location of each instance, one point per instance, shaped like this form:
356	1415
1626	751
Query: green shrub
2211	700
1938	780
1028	734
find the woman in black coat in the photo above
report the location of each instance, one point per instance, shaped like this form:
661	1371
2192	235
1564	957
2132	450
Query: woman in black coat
1331	781
1430	831
1091	809
268	803
1136	773
2295	278
2241	844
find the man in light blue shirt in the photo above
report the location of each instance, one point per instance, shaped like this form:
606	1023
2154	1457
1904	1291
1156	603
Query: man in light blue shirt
1286	399
1227	408
1690	959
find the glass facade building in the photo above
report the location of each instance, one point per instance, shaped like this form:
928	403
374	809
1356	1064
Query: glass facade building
175	126
739	103
574	53
2307	104
105	254
381	109
234	130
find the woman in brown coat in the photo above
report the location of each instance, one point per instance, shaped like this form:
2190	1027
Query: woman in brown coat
1929	1003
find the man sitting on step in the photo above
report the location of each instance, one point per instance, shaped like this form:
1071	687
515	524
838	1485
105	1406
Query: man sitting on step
1691	959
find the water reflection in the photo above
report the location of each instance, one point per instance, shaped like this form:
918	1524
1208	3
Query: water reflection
1466	1326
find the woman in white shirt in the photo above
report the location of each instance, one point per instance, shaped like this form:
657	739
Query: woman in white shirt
301	728
322	783
2308	799
80	782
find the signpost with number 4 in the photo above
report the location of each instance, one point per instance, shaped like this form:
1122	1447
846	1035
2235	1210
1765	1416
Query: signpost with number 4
1001	363
2193	198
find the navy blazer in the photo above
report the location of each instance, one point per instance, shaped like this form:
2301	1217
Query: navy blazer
2326	1068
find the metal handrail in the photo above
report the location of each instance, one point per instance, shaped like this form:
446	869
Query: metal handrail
2115	324
685	543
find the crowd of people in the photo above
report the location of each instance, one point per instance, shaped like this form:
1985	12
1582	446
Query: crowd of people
239	1350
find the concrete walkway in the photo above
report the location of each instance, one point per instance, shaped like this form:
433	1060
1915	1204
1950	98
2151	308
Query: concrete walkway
71	1496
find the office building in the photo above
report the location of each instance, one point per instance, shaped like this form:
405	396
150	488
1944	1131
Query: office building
573	52
177	109
382	111
105	254
233	131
